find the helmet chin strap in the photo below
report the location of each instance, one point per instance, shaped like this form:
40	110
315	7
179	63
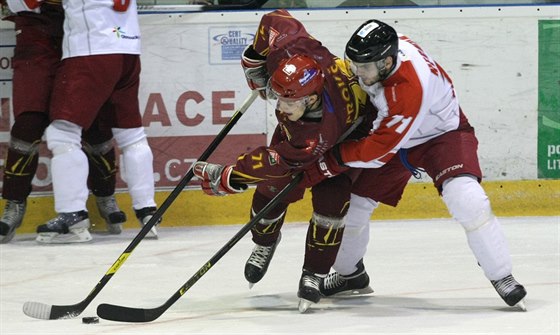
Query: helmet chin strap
315	110
382	69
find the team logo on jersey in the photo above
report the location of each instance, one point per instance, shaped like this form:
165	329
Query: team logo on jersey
316	146
311	145
118	31
273	157
121	34
272	34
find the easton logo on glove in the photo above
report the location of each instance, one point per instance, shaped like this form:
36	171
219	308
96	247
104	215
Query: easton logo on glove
324	167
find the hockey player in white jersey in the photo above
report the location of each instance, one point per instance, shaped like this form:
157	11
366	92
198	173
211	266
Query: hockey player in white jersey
99	76
420	126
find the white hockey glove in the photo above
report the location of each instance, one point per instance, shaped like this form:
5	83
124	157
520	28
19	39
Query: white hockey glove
215	179
254	66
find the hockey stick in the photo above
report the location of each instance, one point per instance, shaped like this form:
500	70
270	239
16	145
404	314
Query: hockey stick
51	312
131	314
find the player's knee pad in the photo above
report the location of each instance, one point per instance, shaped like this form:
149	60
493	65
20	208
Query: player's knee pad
467	202
98	149
322	243
23	147
327	222
102	158
138	154
126	137
63	136
267	230
269	221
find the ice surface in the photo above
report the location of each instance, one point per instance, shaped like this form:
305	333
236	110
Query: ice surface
425	278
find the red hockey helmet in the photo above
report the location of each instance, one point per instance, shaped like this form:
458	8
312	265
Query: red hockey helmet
297	77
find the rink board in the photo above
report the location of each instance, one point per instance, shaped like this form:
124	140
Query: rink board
420	201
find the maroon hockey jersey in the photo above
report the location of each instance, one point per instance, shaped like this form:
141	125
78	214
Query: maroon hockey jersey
298	144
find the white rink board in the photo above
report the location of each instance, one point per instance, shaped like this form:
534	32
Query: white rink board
192	82
490	53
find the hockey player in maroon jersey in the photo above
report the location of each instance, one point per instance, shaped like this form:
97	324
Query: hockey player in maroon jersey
36	57
317	105
420	125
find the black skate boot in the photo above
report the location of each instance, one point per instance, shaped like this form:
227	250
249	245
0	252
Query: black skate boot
144	215
309	292
511	291
111	213
257	264
65	228
11	219
356	283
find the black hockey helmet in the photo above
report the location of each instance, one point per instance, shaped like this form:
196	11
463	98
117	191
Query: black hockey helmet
372	41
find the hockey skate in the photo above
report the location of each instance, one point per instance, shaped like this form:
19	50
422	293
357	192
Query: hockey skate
65	228
144	215
309	292
11	219
353	284
111	213
511	291
257	264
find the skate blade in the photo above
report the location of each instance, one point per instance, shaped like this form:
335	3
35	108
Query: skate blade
352	293
114	228
7	238
152	234
78	235
521	305
304	304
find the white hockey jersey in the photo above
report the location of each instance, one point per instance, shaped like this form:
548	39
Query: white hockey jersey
95	27
416	103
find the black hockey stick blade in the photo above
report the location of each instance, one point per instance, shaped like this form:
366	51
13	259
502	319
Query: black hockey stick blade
132	314
43	311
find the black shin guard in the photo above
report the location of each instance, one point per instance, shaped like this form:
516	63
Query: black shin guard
102	168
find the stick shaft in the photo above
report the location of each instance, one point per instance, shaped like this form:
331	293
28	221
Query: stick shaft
131	314
43	311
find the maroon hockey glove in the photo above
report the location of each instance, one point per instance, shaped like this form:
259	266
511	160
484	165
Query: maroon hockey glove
254	66
325	167
215	179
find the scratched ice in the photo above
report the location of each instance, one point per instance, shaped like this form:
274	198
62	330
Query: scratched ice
425	278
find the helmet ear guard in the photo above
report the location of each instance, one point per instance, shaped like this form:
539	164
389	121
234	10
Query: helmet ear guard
295	78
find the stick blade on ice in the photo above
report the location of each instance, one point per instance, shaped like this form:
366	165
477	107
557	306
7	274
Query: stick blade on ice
127	314
42	311
37	310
